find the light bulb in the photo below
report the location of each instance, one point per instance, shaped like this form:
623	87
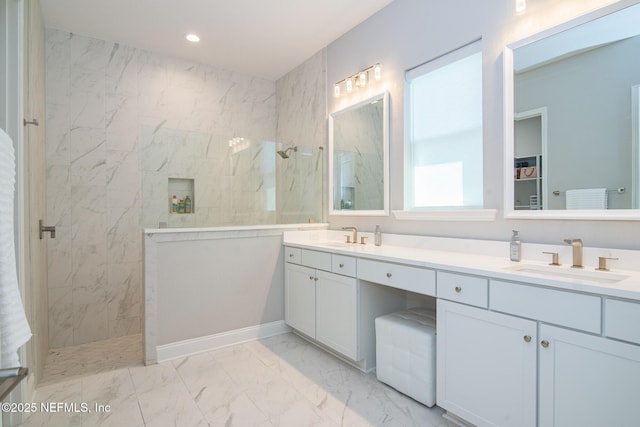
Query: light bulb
377	72
349	84
336	90
521	6
193	38
362	79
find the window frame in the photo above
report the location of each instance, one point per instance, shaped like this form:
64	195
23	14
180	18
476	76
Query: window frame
435	212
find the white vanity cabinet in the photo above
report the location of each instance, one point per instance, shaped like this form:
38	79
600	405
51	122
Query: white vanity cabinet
318	303
514	347
300	298
486	370
537	357
327	303
336	310
587	380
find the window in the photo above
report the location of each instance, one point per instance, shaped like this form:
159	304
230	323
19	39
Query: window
444	132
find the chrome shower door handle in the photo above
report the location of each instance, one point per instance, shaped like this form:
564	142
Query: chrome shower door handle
46	229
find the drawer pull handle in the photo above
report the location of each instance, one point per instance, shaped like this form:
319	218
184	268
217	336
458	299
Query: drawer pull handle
544	343
389	275
527	338
311	278
341	265
458	289
290	255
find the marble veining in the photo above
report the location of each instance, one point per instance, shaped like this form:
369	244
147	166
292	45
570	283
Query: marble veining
279	381
120	122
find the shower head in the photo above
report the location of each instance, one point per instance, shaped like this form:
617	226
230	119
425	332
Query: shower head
284	154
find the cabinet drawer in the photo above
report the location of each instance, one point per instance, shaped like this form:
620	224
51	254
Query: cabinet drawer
569	309
314	259
465	289
420	280
345	265
292	255
622	320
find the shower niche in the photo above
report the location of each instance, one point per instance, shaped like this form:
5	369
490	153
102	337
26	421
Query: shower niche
181	197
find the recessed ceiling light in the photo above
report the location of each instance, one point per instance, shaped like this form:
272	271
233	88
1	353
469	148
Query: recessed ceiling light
193	38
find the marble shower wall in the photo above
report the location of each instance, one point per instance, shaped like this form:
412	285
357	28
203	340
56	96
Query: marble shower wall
238	178
301	112
108	106
233	179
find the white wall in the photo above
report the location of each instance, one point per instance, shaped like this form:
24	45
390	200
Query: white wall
205	287
409	32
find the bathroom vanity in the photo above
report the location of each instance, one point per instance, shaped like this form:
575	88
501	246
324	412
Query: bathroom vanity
518	343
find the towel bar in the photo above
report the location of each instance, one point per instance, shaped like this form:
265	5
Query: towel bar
619	190
9	379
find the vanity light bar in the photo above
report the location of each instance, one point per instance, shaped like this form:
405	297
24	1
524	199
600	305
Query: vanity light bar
359	79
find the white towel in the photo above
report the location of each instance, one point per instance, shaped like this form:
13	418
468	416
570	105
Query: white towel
14	328
587	198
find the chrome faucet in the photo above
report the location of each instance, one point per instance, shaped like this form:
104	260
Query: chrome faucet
577	252
355	233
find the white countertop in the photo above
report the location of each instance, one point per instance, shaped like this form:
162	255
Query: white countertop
486	258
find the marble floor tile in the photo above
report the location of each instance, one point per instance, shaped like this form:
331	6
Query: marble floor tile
112	400
170	405
280	381
63	392
64	364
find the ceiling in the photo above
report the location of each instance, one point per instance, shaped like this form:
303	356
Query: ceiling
264	38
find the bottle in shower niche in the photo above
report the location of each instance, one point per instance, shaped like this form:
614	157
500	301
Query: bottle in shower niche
377	236
187	204
174	204
181	206
515	247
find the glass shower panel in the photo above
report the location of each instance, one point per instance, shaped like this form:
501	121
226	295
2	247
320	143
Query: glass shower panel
236	180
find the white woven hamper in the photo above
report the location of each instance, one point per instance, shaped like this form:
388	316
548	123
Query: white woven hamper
406	353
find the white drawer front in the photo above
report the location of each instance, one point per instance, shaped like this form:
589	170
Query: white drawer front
622	320
314	259
420	280
345	265
465	289
292	255
569	309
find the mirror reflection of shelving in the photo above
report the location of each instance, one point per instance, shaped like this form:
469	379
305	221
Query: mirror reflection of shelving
528	182
527	164
182	189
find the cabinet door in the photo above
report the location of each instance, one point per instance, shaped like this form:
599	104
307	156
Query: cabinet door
486	366
336	313
300	298
587	380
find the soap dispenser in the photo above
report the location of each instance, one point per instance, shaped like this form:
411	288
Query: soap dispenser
377	236
515	247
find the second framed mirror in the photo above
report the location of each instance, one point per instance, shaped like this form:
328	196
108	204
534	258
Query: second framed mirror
359	158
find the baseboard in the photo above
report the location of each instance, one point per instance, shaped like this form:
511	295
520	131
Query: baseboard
453	419
192	346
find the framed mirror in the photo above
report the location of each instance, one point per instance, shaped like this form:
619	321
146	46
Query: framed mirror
572	120
359	158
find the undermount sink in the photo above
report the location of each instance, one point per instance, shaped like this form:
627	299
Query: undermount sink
559	272
341	244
